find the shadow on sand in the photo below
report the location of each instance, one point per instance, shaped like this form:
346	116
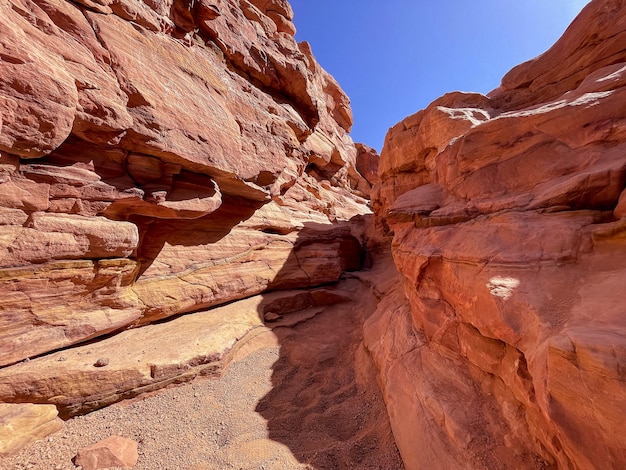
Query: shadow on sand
325	404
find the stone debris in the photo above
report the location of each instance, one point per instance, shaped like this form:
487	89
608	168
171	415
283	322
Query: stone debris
114	451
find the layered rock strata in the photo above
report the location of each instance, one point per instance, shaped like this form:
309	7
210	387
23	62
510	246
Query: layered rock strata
156	159
176	157
506	343
140	360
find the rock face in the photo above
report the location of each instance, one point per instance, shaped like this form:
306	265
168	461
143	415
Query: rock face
140	360
507	216
160	158
21	424
173	157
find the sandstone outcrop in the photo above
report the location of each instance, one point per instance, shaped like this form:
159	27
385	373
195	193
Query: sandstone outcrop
140	360
21	424
156	159
177	177
364	175
507	216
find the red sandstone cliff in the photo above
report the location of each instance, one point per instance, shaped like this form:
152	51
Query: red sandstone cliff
159	158
505	346
169	157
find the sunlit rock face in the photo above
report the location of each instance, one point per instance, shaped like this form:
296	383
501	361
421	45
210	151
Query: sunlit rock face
506	344
160	158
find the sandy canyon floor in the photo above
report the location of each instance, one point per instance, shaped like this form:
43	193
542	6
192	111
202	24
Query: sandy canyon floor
297	397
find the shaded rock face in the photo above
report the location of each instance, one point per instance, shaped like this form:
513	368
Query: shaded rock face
365	174
160	158
506	343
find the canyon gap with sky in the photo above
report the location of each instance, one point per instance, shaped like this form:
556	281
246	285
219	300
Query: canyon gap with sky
396	57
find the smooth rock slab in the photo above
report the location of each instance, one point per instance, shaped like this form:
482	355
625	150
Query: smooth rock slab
65	236
23	423
139	359
54	305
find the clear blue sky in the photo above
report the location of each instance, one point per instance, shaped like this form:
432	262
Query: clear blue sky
394	57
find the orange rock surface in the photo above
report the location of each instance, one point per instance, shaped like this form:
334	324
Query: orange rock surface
114	451
159	158
21	424
505	346
168	157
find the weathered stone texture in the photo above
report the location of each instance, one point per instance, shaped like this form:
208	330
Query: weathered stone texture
114	451
507	213
22	424
161	158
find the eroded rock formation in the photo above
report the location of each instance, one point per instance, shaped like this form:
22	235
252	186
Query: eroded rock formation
176	157
505	346
159	158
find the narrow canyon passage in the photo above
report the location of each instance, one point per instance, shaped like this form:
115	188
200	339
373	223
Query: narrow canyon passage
303	395
181	199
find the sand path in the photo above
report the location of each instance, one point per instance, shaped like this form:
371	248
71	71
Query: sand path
300	397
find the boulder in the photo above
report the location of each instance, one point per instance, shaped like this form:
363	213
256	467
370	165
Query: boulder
24	423
114	451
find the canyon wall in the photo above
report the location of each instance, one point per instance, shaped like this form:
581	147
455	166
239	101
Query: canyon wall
160	158
174	157
504	343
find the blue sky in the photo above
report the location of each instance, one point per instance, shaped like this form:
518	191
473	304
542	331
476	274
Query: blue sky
395	57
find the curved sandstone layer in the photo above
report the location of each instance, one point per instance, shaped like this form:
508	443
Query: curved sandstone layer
159	158
507	214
